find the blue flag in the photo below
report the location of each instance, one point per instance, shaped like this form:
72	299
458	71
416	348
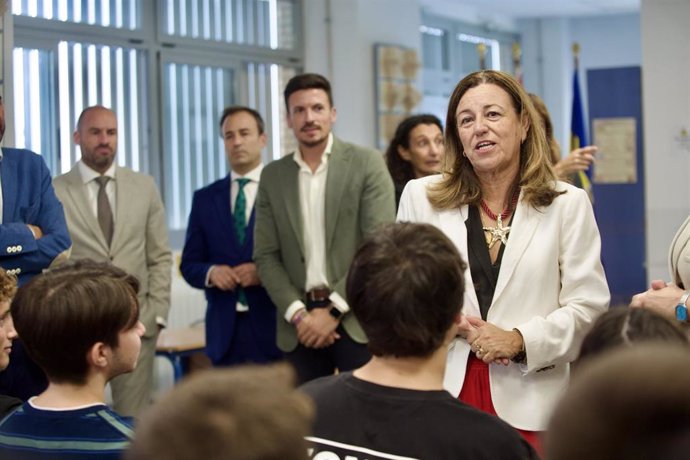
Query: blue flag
578	138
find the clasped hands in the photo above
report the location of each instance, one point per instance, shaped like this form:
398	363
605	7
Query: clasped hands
661	298
490	343
227	278
317	329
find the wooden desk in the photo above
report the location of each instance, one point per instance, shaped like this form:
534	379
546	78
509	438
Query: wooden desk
178	344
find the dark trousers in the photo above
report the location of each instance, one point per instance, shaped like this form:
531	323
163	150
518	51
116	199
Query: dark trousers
247	347
344	355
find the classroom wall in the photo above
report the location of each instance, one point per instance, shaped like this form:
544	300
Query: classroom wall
340	37
665	30
605	42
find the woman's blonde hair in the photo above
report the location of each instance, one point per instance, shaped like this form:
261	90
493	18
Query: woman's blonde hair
460	184
548	127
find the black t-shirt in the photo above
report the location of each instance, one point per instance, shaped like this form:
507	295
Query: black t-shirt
356	419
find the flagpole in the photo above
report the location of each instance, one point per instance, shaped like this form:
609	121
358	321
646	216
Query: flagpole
577	125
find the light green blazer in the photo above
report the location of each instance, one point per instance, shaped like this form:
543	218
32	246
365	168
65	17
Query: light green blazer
359	197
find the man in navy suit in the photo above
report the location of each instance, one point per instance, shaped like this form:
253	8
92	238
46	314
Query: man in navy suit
33	236
217	255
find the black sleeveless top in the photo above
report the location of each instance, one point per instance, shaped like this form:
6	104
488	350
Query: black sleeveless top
484	273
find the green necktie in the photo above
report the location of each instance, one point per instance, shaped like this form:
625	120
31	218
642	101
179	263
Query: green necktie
239	218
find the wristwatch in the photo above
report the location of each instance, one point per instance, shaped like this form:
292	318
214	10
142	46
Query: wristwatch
335	313
681	309
521	356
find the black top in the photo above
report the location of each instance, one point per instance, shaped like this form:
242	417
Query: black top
399	187
484	273
368	421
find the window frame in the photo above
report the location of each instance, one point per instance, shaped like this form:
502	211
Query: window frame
160	48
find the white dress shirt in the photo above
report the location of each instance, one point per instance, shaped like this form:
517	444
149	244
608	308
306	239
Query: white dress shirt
250	188
312	201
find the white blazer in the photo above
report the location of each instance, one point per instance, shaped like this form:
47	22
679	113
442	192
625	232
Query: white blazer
679	256
551	287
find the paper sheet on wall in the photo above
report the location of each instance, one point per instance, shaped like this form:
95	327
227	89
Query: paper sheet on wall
616	159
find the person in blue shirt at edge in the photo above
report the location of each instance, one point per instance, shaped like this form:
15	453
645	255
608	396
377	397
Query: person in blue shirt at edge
33	236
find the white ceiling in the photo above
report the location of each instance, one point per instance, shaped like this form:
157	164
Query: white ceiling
534	8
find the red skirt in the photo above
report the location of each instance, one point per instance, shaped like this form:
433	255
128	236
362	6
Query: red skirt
476	392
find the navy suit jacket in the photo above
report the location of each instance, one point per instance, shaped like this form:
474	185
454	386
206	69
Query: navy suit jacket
28	198
211	240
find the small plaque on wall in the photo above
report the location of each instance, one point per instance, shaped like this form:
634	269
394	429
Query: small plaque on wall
616	158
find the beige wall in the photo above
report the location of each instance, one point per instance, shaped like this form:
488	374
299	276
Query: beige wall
339	43
665	26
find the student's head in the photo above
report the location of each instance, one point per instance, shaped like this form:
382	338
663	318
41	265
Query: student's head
243	413
8	287
96	136
632	403
406	287
242	130
624	326
78	318
310	111
416	149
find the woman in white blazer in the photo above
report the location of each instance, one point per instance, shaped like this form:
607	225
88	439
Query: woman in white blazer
672	300
535	280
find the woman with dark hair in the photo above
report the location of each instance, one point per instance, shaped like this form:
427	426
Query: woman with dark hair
623	326
535	281
415	151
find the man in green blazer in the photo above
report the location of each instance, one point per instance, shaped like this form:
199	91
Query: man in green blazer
313	209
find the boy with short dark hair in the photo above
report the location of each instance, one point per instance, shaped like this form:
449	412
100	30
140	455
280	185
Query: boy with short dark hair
405	286
79	322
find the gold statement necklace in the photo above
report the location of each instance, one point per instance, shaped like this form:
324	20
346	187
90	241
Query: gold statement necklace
499	232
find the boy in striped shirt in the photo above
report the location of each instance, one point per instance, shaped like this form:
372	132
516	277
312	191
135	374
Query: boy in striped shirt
79	322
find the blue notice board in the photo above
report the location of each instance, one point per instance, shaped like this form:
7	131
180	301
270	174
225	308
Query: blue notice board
619	208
